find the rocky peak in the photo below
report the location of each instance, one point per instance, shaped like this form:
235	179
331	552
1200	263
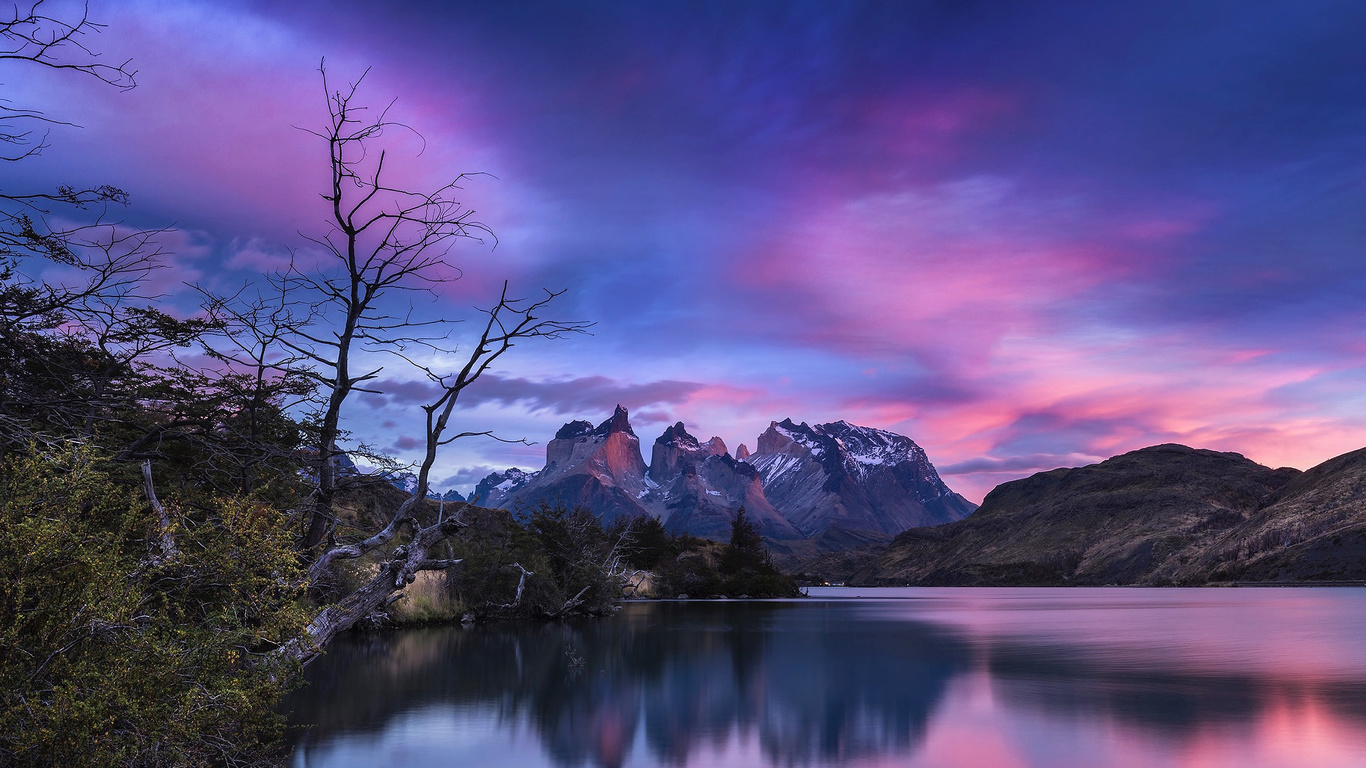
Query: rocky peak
868	446
786	437
676	452
842	475
677	435
803	480
574	429
499	486
619	422
613	443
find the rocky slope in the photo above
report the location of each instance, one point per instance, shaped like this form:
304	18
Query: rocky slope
1157	515
1312	529
808	489
700	486
841	477
599	468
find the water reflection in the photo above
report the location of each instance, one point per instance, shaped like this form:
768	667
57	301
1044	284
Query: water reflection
929	678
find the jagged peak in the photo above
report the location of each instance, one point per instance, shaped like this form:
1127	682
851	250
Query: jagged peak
509	480
715	446
516	474
678	435
620	421
740	467
794	430
574	429
742	453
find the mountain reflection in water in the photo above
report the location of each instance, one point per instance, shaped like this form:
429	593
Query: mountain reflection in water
915	677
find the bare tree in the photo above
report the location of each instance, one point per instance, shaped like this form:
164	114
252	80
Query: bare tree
383	242
508	321
261	375
31	34
63	343
32	37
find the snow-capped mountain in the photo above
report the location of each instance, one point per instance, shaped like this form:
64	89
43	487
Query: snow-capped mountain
499	487
832	482
407	482
853	478
701	486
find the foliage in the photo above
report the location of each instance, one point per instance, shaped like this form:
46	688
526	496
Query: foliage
568	553
651	543
113	655
741	568
686	565
746	550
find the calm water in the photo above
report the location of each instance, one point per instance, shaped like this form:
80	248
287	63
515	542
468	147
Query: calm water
995	678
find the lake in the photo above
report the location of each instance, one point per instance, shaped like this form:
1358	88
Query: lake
995	678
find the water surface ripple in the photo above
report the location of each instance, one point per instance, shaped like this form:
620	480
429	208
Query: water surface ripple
998	678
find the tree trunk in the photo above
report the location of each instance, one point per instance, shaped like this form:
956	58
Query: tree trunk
394	574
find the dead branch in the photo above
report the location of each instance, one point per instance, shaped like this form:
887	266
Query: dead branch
439	565
33	36
572	603
521	586
168	546
395	573
383	239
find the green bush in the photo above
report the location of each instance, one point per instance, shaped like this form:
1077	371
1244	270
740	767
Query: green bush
109	657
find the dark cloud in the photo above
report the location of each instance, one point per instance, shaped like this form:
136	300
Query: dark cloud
468	476
406	391
586	396
943	387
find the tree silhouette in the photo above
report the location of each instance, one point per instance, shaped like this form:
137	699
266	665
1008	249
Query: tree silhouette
384	242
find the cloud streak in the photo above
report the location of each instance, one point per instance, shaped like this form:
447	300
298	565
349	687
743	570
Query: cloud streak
585	395
1045	231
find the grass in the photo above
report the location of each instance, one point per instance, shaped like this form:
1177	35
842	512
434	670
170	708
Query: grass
426	601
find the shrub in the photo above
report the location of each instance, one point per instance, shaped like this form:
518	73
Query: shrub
111	657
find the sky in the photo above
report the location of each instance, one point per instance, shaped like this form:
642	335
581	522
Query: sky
1024	234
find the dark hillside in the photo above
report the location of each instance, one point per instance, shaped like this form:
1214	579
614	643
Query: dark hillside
1132	519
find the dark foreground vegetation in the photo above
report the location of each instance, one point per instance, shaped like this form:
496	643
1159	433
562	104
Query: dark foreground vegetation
118	651
549	562
582	566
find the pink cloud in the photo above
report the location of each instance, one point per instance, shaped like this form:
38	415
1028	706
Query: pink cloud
919	125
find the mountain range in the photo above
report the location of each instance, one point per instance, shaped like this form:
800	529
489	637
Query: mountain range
1167	514
827	486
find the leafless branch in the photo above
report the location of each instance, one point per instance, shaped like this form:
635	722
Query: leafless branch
29	34
167	533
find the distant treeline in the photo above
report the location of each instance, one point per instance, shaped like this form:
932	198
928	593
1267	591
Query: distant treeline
566	562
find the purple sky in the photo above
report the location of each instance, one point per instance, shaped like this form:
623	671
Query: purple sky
1026	235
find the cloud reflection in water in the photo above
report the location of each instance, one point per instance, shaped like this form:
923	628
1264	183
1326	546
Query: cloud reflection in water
954	677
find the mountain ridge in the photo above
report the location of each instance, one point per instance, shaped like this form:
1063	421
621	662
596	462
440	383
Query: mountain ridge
1162	515
834	481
